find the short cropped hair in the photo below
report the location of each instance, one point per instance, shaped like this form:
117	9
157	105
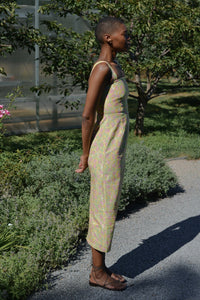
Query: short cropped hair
106	25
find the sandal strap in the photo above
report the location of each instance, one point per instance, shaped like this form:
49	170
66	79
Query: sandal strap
98	268
107	282
94	270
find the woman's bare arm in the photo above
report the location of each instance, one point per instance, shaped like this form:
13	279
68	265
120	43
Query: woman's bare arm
97	82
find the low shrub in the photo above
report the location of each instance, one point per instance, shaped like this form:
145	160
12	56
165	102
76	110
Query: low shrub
49	239
146	176
49	212
17	151
20	273
53	178
43	143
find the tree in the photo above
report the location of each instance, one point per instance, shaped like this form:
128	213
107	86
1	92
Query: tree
165	37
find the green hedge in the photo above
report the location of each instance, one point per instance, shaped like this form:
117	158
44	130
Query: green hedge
47	206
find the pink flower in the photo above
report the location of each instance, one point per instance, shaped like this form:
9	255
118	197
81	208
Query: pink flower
3	112
7	112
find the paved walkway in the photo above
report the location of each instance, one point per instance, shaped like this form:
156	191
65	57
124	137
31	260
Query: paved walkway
157	248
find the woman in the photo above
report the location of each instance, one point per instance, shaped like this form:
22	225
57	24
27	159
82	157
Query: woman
104	144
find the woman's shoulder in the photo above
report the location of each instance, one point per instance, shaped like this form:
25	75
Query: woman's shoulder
101	68
105	67
101	65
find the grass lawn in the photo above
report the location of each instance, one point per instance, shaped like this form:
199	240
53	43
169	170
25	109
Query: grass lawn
172	122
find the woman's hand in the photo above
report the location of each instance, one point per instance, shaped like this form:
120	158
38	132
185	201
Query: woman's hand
83	164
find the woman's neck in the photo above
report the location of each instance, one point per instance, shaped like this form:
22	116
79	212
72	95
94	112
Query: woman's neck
107	53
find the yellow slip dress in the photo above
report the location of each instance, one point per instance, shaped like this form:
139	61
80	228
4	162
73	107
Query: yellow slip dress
106	162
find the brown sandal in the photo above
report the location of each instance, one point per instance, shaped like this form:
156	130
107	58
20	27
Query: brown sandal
115	276
109	282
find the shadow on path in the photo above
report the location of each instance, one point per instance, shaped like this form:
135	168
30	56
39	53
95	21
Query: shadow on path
177	283
157	247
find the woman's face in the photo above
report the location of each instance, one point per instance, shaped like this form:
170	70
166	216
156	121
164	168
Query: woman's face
120	38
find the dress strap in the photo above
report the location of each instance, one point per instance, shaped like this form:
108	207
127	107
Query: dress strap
114	75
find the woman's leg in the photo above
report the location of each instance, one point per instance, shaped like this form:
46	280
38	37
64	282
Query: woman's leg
98	258
100	276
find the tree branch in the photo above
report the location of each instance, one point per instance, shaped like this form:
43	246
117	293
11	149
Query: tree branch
133	96
157	95
152	88
131	81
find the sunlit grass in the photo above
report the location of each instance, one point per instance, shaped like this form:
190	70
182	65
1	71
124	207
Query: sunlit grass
172	122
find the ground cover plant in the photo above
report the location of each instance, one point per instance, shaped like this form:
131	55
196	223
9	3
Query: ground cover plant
44	203
48	215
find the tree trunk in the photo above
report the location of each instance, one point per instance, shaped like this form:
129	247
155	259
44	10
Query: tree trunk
148	81
142	102
139	124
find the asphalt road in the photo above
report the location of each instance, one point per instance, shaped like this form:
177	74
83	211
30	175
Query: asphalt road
157	248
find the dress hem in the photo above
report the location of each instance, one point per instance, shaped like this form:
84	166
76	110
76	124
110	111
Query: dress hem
98	247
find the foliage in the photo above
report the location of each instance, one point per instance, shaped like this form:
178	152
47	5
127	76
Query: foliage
7	237
20	273
48	209
164	41
43	143
146	175
72	61
17	151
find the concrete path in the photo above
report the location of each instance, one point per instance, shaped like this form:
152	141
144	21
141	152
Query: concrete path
157	248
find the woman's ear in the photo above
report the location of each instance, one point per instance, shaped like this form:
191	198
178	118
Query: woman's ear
107	39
